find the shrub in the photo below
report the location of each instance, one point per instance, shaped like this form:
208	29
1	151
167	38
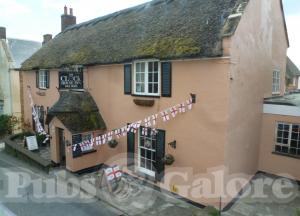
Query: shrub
297	212
5	125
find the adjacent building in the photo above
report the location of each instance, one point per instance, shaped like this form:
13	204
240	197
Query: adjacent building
292	75
99	75
12	53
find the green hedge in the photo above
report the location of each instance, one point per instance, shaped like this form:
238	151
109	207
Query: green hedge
5	125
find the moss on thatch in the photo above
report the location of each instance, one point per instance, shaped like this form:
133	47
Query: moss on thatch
77	111
164	29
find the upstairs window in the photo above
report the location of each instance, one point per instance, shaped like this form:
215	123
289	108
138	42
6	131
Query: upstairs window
147	78
276	82
288	139
42	79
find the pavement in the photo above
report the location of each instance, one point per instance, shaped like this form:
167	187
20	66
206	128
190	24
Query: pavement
49	203
272	204
132	196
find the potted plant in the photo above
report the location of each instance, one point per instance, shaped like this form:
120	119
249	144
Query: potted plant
168	159
113	143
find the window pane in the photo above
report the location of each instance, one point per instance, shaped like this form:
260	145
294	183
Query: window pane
155	77
138	67
149	154
143	162
294	143
143	67
285	141
285	149
286	135
150	77
279	140
280	134
156	66
278	148
293	151
143	152
280	126
150	66
286	127
150	88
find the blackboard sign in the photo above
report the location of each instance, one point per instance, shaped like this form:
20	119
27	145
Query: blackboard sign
76	139
71	79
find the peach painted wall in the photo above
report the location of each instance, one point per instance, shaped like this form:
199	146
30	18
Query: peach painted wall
200	133
257	48
272	163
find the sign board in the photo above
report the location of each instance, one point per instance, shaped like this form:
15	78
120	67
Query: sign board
32	143
71	79
113	173
113	176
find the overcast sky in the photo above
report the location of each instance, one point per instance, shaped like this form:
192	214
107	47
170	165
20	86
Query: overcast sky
31	19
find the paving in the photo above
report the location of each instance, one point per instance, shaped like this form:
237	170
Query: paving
270	205
134	197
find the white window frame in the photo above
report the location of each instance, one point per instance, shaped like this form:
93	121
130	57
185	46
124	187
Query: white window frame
42	79
276	79
142	169
146	93
288	145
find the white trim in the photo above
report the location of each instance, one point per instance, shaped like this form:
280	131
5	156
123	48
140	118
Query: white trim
281	110
141	169
146	77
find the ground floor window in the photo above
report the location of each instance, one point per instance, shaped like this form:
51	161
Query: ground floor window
147	152
288	138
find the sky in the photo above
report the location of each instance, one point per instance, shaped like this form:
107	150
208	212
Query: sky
31	19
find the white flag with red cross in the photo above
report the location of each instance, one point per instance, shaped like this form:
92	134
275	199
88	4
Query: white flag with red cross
189	103
110	136
165	115
174	111
113	173
181	108
154	119
118	133
148	121
98	140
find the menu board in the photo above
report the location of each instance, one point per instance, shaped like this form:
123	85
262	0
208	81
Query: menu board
32	143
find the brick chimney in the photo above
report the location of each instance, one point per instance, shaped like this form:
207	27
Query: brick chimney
47	38
67	19
3	33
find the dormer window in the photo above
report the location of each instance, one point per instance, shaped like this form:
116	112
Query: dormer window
42	79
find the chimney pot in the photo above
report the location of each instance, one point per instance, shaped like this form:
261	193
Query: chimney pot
2	33
65	10
67	19
47	38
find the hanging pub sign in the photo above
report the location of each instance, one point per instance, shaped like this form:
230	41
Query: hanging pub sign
71	78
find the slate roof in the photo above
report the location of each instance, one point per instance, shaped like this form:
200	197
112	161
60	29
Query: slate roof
22	50
291	69
162	29
77	111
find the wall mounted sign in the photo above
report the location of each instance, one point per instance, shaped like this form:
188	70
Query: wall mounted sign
71	79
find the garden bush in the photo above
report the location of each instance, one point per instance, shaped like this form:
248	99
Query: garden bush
5	125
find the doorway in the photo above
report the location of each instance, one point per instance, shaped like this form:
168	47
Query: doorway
62	146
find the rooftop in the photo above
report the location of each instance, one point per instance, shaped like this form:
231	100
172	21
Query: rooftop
161	29
290	99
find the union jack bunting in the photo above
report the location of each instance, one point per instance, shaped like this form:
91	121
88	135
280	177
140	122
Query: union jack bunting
148	122
181	108
174	111
189	103
118	133
110	136
165	116
154	119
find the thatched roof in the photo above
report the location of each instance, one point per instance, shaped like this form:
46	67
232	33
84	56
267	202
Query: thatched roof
77	111
291	69
162	29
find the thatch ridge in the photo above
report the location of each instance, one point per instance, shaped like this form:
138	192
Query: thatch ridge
162	29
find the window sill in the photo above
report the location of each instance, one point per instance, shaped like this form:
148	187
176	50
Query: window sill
286	155
85	153
146	96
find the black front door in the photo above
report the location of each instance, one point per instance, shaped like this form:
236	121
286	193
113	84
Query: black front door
62	147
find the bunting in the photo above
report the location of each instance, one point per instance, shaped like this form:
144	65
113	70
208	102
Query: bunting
148	123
